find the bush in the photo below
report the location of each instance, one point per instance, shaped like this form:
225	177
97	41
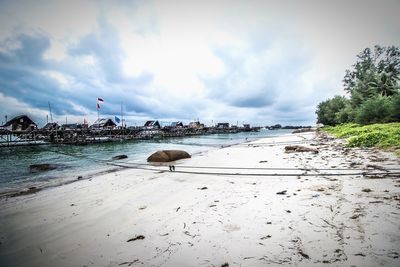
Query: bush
375	135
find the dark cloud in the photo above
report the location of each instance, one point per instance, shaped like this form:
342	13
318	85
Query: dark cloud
24	75
256	101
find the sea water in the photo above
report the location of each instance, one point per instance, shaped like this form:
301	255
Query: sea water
73	161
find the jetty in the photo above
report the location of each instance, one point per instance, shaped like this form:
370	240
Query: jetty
102	131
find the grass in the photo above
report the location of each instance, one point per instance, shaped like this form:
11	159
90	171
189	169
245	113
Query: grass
381	135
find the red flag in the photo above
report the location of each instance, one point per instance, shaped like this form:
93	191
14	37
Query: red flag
101	100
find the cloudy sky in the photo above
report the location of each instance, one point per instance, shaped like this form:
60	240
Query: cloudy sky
259	62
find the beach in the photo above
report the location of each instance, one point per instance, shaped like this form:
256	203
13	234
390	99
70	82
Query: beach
312	209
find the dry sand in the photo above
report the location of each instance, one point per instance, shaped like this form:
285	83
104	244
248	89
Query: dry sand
182	219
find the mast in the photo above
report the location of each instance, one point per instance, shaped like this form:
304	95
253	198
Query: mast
122	116
51	115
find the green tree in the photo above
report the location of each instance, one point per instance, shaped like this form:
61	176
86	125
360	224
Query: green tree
330	112
395	107
374	110
376	72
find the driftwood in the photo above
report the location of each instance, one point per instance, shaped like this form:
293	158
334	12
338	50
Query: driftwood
168	155
294	149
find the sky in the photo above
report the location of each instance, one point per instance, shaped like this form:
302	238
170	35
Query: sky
257	62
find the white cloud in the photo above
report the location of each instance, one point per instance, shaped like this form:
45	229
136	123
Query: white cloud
256	61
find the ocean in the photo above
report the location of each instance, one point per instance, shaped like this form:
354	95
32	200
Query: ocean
85	160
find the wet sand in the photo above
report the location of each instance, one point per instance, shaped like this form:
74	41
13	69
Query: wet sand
274	217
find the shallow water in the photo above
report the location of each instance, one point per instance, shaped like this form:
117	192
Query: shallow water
74	161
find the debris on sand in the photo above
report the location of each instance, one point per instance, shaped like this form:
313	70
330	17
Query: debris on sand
304	254
129	263
366	190
282	192
355	216
139	237
295	149
203	188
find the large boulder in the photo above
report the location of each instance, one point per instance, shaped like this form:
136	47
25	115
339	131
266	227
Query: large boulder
168	155
42	167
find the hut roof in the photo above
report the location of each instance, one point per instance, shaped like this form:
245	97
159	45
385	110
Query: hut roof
22	119
51	126
151	123
104	123
176	124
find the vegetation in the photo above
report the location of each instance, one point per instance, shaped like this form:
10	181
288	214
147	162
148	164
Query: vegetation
375	135
373	90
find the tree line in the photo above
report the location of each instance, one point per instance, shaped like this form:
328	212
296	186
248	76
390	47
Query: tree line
372	89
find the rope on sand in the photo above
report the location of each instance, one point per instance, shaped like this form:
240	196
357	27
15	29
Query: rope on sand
315	171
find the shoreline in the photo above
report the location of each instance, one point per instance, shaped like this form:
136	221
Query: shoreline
134	217
27	189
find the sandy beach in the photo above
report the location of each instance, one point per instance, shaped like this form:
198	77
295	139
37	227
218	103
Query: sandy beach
299	214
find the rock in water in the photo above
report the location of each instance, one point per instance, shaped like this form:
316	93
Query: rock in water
168	155
42	167
119	157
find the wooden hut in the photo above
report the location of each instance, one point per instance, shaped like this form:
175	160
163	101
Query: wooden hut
51	126
223	125
177	124
20	123
196	125
103	124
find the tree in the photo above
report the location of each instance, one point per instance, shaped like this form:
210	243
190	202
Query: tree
374	110
329	111
376	72
395	108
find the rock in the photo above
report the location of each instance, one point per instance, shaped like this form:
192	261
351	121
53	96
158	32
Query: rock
42	167
168	155
118	157
303	130
294	149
